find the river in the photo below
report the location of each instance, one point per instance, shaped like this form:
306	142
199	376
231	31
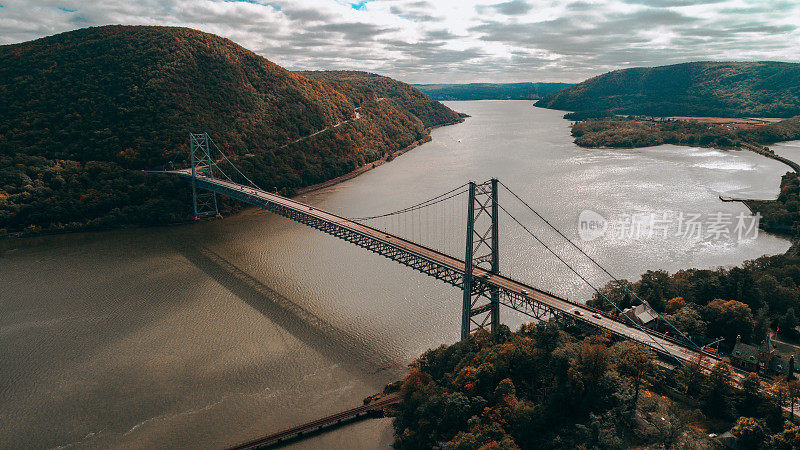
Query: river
209	334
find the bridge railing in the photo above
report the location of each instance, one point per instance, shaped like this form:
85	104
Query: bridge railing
627	323
649	331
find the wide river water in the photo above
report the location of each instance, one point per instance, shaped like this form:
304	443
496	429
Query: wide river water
210	334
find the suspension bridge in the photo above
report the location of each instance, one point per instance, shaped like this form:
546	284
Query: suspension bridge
478	275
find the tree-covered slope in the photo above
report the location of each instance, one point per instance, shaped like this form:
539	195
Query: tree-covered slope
545	388
82	112
363	86
130	94
490	91
725	89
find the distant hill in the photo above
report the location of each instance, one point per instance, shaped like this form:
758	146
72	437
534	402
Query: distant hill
82	111
490	91
722	89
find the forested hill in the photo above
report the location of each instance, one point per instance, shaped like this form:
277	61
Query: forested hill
362	87
130	94
82	112
490	91
721	89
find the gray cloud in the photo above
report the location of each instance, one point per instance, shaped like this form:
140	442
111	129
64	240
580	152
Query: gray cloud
576	34
414	14
766	7
460	40
672	3
353	31
416	11
440	35
580	6
513	8
305	15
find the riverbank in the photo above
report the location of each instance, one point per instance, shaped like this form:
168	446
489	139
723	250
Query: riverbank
369	166
765	151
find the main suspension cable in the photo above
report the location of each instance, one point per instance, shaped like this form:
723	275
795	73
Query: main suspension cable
579	275
232	164
619	282
432	201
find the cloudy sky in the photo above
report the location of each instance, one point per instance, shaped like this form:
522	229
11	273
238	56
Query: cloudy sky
429	41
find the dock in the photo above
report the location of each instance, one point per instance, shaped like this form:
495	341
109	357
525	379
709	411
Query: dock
744	201
374	408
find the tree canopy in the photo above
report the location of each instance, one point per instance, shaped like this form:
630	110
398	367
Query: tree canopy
546	386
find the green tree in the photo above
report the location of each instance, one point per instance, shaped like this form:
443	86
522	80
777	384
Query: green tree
774	402
688	320
655	287
717	398
593	362
787	323
761	326
729	318
634	361
793	392
751	395
618	293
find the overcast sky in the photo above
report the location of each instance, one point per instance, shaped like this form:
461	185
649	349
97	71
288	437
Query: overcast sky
452	40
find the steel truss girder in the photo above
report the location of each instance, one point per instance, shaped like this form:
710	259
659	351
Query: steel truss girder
449	275
524	304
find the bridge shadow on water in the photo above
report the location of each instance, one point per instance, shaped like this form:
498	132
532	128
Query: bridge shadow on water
359	358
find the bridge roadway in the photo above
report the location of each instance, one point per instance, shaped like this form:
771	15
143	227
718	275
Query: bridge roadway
513	294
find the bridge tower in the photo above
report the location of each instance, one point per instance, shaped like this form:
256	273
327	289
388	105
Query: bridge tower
481	304
205	202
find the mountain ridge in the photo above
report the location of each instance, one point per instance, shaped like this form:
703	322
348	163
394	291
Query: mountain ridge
703	88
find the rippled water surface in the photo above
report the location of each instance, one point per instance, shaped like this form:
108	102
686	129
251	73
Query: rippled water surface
789	149
210	334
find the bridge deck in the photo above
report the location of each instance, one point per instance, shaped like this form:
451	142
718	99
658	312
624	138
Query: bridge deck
519	296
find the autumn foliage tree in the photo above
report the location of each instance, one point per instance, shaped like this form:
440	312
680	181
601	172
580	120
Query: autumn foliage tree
538	387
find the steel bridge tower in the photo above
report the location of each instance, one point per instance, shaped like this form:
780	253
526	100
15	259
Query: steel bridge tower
205	202
481	305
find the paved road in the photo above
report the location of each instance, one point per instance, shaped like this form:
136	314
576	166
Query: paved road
578	311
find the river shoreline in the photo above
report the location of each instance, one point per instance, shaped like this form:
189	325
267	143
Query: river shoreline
371	165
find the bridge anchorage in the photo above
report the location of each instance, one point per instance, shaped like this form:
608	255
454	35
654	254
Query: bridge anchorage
398	236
